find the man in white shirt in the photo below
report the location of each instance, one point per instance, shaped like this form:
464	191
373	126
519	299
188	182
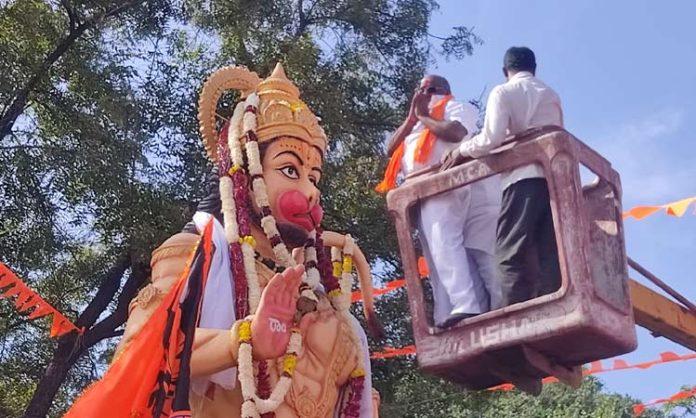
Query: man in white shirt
526	245
456	228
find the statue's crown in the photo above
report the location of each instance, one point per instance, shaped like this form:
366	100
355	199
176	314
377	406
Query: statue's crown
280	112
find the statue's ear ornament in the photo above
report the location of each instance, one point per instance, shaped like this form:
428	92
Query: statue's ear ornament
226	78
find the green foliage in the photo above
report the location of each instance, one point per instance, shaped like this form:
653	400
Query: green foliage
428	398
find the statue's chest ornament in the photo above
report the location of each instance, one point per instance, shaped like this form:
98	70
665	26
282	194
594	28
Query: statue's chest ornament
315	396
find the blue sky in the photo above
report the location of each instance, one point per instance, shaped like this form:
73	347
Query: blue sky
625	73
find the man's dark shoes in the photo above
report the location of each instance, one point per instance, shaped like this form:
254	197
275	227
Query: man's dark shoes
454	319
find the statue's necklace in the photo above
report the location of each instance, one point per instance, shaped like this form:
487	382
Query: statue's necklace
272	265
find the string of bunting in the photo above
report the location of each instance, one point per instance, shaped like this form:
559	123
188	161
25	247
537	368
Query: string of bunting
638	409
596	367
677	209
30	303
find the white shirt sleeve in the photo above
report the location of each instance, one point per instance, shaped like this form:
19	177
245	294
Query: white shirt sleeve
495	127
464	113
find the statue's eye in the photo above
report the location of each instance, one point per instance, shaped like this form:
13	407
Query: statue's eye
290	172
314	181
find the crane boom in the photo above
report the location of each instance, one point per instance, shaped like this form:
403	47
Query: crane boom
662	316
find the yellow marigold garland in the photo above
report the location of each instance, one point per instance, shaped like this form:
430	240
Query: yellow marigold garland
337	268
244	332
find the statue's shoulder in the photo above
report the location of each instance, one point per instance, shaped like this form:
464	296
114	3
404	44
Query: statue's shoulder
167	263
177	246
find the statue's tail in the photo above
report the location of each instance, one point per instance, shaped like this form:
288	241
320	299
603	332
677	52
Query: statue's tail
334	239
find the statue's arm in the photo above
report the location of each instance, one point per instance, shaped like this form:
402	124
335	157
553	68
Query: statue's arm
334	239
213	349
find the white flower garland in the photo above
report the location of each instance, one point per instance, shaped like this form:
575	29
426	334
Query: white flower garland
268	223
229	211
342	263
249	257
253	405
243	121
313	276
235	134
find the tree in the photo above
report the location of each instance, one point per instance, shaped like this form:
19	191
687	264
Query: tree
79	211
438	399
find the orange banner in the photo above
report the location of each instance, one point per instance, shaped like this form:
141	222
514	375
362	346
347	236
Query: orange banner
595	367
30	303
390	352
638	409
677	209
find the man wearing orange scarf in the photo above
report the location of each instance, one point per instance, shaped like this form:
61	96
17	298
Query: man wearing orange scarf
457	228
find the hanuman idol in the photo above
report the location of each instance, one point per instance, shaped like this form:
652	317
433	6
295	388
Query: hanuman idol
248	313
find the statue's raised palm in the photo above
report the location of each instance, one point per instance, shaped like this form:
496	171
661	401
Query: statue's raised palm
271	326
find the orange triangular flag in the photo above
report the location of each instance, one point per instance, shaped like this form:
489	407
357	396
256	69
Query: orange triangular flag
41	310
5	279
669	356
423	267
23	301
13	291
595	367
620	364
640	212
59	326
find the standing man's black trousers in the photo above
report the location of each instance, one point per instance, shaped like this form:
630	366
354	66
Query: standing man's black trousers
526	245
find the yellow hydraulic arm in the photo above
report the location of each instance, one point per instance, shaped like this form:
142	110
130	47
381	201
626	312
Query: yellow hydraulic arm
660	315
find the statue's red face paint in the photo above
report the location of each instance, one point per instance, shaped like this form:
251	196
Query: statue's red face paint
292	170
294	207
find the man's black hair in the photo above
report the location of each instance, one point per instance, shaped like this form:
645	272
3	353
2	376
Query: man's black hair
519	58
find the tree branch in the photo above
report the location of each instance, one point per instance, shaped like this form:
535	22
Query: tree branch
301	19
21	98
107	289
72	15
107	327
113	334
22	147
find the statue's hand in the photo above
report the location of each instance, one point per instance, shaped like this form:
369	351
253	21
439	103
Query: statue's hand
270	328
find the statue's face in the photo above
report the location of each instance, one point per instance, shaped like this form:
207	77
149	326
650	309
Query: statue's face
292	170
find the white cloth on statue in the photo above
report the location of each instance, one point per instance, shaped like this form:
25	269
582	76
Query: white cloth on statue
452	222
217	311
366	399
521	103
